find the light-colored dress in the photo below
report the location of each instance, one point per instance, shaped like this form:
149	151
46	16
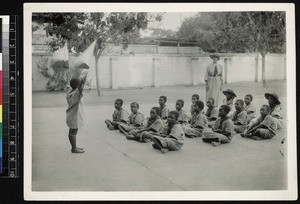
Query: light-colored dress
240	118
135	121
75	110
198	124
277	114
175	138
214	79
225	125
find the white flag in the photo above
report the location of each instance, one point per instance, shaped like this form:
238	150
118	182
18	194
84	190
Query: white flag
83	60
60	59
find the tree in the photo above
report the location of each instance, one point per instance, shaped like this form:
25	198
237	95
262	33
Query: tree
268	34
81	29
237	32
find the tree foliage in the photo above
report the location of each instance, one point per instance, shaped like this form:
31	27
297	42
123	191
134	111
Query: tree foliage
236	31
79	30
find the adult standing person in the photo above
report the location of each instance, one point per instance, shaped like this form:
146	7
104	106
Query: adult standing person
214	79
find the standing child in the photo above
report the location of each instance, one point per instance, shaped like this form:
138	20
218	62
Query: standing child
249	107
276	110
211	112
171	137
119	116
223	129
182	118
74	111
154	124
135	121
264	127
198	122
239	117
229	100
164	111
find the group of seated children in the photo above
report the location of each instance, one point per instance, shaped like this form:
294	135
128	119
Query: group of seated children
167	129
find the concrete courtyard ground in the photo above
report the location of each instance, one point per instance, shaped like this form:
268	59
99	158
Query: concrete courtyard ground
112	163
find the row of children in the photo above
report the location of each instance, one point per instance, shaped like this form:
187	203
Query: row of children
167	129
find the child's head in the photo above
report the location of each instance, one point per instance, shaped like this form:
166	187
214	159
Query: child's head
154	112
195	97
224	110
198	106
162	100
239	104
273	99
134	107
179	104
74	83
210	102
172	117
265	110
248	99
118	103
229	94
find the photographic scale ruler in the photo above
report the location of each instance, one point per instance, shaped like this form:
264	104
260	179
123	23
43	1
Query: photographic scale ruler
9	100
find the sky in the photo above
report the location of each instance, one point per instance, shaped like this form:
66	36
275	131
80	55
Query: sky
172	21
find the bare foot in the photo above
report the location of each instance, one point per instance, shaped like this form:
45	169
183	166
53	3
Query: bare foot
129	137
164	150
155	146
215	144
76	150
111	127
256	138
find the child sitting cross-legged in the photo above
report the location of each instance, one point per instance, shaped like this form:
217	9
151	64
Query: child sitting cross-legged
249	107
229	100
171	137
154	124
239	116
195	97
211	112
222	130
198	122
263	128
164	111
182	118
135	121
119	116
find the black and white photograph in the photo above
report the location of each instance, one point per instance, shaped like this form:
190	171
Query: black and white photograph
141	101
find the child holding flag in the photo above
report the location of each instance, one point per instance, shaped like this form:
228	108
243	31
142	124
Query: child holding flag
74	111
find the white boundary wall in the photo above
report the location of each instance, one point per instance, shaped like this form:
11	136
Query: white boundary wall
139	70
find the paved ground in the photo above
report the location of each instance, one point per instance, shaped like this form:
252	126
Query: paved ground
112	163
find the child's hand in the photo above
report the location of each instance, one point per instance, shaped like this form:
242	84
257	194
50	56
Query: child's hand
83	80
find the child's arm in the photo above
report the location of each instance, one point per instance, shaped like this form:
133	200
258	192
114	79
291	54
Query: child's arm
249	111
223	133
256	127
211	118
83	80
